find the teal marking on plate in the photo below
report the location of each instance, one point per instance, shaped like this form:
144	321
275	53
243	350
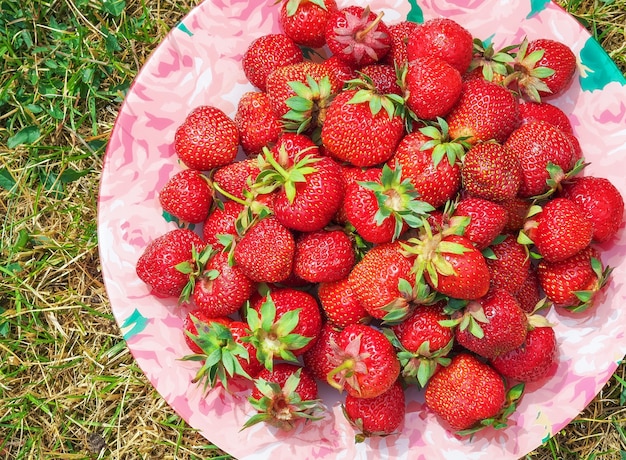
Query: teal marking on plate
597	68
136	322
416	14
488	40
537	6
184	28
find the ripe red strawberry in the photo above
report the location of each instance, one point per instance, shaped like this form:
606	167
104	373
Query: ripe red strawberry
383	282
509	264
357	35
466	392
317	358
445	39
266	53
190	330
237	177
435	181
304	21
284	324
221	338
265	252
221	288
485	111
384	78
341	70
423	342
257	124
545	68
450	264
187	196
378	416
536	144
491	171
560	230
221	221
323	256
206	139
290	148
486	220
280	88
340	304
400	32
305	205
533	111
518	209
492	325
574	282
432	87
600	201
365	362
533	360
166	261
284	396
353	133
530	294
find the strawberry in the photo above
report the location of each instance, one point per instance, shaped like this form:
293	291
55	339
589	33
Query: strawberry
290	148
270	238
492	325
600	201
266	53
560	230
222	288
283	396
223	355
283	324
486	220
308	194
442	38
435	179
340	304
537	144
397	56
544	68
518	209
166	261
532	361
304	21
383	283
423	342
191	331
354	133
221	221
322	86
381	415
340	70
365	362
491	171
237	177
466	392
206	139
450	264
574	282
489	63
257	124
323	256
532	111
187	196
432	87
485	111
357	35
384	78
317	358
530	293
509	264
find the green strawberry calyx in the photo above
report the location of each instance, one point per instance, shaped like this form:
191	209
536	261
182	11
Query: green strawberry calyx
492	62
307	108
220	353
282	407
273	338
526	75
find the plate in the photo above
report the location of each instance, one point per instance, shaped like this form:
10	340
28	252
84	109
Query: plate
199	63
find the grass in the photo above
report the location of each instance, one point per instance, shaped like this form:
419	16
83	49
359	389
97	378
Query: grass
69	388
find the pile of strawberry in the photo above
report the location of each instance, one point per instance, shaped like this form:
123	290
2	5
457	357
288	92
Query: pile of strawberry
403	211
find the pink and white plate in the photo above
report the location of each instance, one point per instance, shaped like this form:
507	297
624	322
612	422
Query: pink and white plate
200	63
